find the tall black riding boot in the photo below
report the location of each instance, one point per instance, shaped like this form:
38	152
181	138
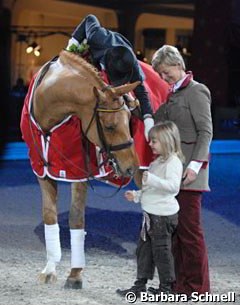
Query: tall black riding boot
138	287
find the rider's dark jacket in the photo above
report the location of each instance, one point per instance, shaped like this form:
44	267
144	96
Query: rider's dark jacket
99	40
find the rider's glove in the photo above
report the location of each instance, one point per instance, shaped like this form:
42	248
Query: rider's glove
148	124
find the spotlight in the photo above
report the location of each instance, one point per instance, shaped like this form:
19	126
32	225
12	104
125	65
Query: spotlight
37	51
31	47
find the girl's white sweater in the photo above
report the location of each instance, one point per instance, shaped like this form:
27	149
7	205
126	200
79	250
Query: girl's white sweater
158	193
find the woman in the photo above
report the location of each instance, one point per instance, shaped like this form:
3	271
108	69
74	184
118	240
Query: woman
188	106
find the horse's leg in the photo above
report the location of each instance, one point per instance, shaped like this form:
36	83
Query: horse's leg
51	229
77	234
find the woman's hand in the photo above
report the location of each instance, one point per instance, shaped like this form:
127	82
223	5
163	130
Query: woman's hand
129	195
189	176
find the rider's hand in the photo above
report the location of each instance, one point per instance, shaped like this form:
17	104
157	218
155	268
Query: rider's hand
148	124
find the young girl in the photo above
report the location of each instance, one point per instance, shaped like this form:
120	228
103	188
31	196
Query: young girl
160	185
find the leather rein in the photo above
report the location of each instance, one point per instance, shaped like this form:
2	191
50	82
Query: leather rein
105	147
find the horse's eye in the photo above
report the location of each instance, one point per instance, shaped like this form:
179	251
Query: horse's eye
109	128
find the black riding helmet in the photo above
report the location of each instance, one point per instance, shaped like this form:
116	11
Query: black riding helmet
119	62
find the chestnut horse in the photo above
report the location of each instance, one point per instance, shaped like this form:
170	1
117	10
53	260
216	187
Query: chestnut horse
73	87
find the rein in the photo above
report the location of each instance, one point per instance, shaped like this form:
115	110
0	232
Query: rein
106	148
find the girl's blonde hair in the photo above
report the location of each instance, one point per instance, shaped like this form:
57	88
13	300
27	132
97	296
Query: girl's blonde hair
168	134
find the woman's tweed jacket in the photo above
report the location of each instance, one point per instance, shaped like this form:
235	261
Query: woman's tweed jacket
190	109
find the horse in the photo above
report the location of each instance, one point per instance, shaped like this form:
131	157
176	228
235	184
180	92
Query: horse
69	90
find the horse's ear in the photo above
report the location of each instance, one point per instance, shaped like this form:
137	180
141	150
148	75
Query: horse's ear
125	88
98	93
101	96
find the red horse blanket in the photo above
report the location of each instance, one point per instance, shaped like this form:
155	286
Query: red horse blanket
61	154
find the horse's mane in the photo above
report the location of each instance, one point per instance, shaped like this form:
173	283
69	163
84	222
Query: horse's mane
76	61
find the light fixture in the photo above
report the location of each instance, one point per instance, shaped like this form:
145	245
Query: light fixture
37	51
31	47
35	48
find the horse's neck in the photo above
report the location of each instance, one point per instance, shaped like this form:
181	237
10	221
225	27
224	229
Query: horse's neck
50	111
63	93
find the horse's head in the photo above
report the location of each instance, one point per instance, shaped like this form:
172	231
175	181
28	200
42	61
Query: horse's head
112	118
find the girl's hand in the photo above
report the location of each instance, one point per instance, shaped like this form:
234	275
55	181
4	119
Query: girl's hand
129	195
144	177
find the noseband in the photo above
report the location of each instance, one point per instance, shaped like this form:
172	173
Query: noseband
105	147
108	148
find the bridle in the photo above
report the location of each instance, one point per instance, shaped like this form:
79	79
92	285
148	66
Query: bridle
107	148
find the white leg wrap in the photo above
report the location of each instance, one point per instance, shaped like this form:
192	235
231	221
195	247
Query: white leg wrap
49	268
77	248
52	239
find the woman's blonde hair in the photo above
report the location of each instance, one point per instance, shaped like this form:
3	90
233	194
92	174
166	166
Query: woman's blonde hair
168	134
167	55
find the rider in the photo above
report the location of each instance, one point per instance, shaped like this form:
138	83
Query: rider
112	52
